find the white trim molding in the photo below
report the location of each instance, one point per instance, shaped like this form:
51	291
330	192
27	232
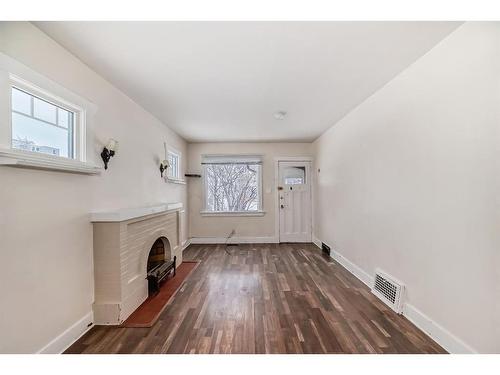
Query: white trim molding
316	241
175	181
232	240
69	336
438	333
22	159
293	158
124	214
352	268
185	244
233	213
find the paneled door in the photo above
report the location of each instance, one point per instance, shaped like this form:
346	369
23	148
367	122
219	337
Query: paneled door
294	199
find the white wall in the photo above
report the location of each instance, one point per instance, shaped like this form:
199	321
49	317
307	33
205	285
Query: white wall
46	271
262	226
409	182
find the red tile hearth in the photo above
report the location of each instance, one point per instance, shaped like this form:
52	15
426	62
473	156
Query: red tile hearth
148	313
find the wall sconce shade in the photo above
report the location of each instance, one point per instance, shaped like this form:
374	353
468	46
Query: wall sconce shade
163	166
109	151
112	145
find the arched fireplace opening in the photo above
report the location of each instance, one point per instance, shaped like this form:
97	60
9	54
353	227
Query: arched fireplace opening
156	254
160	264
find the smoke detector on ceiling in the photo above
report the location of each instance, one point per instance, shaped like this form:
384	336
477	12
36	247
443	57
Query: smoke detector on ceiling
280	115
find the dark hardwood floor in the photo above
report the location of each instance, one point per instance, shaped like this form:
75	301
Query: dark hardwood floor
286	298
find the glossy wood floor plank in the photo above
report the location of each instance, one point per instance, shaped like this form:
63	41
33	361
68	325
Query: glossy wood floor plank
266	298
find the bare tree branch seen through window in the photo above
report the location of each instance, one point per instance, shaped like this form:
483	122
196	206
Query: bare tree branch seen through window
232	187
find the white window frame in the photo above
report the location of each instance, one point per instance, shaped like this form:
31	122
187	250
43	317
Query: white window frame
14	74
177	179
78	147
259	212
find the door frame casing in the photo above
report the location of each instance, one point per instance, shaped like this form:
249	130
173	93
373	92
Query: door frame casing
277	160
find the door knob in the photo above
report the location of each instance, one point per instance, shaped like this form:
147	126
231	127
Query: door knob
282	206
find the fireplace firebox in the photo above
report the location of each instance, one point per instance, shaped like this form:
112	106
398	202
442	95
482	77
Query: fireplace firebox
159	266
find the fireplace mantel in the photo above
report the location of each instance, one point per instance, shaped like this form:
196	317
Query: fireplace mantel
122	241
124	214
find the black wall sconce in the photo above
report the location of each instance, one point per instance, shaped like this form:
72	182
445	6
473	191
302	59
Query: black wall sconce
109	151
163	166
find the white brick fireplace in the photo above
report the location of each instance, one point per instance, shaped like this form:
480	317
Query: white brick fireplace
122	241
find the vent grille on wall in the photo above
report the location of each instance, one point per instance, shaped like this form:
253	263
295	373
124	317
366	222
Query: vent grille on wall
325	248
389	290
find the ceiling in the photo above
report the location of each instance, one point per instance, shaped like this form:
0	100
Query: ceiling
223	81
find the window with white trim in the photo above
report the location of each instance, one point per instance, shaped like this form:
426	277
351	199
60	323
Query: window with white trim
174	171
44	124
232	184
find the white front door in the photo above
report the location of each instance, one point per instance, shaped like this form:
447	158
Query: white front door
294	200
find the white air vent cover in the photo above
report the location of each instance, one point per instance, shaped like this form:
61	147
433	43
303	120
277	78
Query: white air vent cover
389	290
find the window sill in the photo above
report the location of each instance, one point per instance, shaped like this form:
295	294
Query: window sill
243	213
175	181
22	159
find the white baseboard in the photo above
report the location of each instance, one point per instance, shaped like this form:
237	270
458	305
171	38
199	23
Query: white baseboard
223	240
446	339
69	336
186	243
352	268
316	241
